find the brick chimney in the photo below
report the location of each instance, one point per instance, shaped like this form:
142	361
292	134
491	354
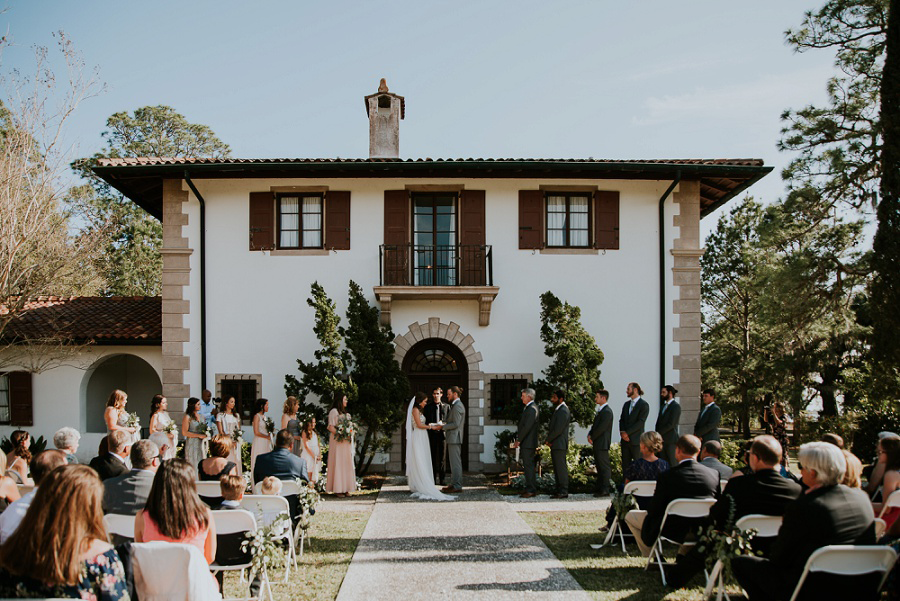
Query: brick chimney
385	111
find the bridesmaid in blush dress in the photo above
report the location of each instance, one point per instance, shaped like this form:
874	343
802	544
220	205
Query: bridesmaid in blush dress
262	442
159	421
341	474
228	421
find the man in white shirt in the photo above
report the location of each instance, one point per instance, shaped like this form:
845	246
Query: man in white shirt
41	464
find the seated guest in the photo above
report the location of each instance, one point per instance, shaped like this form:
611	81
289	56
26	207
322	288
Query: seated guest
764	491
890	450
228	546
61	548
271	486
66	440
828	513
9	492
113	463
745	468
853	477
174	512
217	465
832	438
41	464
127	494
648	466
709	456
886	442
283	465
687	480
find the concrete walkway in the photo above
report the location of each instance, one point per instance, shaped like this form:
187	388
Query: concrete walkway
474	548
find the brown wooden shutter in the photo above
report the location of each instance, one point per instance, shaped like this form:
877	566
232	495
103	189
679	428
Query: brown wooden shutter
531	219
396	238
337	220
262	221
471	238
21	411
606	220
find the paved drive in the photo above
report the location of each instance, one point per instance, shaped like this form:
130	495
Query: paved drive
474	548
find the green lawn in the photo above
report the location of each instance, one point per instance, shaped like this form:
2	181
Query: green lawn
606	574
326	557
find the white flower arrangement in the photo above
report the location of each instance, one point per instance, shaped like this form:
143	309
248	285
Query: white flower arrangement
270	425
237	437
265	546
307	499
171	428
345	429
203	428
132	421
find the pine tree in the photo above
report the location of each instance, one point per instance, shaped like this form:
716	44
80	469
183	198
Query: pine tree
576	358
325	375
382	386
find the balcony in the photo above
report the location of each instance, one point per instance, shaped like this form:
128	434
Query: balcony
436	272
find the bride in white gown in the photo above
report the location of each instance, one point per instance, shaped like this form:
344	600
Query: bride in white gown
418	454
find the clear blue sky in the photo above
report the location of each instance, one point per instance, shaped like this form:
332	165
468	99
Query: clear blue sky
620	80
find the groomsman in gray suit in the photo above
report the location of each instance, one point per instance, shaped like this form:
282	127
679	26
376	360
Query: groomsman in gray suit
707	426
600	437
453	430
667	423
558	441
526	441
631	424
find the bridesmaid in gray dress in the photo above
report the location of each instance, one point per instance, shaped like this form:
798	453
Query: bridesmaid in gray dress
290	421
194	441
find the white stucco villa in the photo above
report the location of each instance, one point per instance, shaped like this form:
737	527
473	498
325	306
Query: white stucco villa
455	252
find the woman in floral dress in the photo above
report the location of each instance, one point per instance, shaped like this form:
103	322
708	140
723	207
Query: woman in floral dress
228	422
195	440
60	553
341	474
159	421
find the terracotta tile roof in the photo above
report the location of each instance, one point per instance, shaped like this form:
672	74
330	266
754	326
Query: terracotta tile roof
103	320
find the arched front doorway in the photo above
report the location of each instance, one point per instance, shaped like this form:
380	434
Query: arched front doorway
436	362
125	372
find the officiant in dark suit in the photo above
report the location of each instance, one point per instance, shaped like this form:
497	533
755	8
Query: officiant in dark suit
558	441
600	438
434	412
667	422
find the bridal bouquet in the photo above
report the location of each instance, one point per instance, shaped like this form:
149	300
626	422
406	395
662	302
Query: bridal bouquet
270	425
133	421
264	545
345	429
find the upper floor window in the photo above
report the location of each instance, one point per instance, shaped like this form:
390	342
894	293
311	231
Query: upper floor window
300	221
568	220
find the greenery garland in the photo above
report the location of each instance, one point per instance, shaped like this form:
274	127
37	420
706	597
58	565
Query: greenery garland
726	544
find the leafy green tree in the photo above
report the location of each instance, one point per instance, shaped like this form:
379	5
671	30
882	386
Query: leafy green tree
575	368
886	246
736	350
326	375
382	386
131	262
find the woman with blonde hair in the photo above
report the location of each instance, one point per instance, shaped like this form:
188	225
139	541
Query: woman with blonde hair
57	552
648	466
116	417
291	423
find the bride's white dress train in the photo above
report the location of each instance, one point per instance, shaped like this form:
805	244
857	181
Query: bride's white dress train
418	463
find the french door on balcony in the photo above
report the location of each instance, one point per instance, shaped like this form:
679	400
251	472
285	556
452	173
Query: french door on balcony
434	240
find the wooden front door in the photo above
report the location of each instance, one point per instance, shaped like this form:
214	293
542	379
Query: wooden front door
436	362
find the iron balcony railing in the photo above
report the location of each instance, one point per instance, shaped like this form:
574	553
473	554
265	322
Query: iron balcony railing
435	265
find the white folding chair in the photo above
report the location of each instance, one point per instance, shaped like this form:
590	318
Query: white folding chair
120	524
636	488
723	484
766	526
685	508
172	571
266	508
208	488
880	527
236	521
849	560
24	489
893	500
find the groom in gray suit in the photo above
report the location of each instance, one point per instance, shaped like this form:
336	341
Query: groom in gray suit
453	430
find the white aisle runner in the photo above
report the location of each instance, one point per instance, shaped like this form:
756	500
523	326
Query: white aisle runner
474	548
